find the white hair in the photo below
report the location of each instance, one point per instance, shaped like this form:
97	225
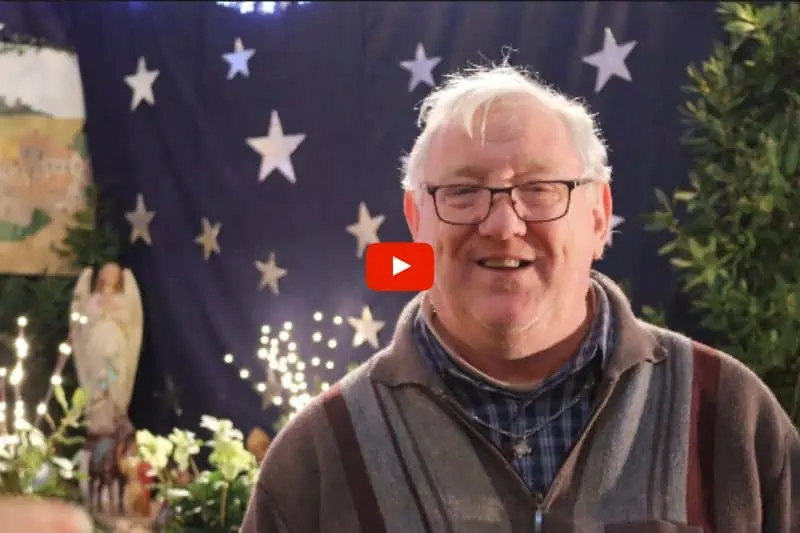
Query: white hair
463	94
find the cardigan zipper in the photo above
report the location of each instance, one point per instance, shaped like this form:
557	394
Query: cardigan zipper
606	388
539	504
464	418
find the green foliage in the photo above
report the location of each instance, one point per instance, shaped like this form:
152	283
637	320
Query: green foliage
90	242
734	230
32	463
213	501
651	314
655	316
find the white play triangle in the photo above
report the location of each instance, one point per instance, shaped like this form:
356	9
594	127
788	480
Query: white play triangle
398	265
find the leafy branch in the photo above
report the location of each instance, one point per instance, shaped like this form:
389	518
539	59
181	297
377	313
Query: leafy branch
30	462
734	229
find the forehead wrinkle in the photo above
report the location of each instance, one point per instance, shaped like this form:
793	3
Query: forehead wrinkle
477	170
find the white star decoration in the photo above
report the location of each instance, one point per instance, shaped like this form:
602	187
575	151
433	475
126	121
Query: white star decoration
140	219
366	229
208	239
238	60
421	68
142	84
270	273
610	61
615	221
276	149
366	329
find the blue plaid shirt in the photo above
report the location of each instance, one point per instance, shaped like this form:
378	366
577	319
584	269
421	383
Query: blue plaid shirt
561	404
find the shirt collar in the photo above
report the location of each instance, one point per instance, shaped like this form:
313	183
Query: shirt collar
444	360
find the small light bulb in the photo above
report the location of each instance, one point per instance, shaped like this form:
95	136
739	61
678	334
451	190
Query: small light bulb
317	316
16	376
21	346
317	336
265	329
244	373
332	344
228	358
22	321
287	326
337	320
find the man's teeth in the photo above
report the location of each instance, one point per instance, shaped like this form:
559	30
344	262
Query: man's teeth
502	263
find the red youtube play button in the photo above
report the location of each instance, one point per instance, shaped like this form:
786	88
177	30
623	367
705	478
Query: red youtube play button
399	266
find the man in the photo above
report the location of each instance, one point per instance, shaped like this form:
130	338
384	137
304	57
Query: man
520	393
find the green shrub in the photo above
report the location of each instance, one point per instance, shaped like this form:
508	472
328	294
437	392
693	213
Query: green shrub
734	238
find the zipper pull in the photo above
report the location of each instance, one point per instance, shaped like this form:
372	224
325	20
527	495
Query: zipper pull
538	497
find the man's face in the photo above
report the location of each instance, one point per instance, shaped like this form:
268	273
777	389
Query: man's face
521	141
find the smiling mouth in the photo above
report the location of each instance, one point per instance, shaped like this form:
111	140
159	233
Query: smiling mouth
504	264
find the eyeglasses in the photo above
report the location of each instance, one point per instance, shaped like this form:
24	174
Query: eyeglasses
534	201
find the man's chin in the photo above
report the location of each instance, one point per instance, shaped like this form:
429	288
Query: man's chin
509	315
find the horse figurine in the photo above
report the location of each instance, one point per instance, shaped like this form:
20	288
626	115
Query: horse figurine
106	453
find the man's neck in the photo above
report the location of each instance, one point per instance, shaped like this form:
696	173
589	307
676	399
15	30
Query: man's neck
510	362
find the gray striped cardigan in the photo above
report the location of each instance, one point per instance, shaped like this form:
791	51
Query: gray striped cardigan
683	439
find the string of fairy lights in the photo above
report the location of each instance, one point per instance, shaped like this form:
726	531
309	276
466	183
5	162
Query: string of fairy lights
291	379
11	387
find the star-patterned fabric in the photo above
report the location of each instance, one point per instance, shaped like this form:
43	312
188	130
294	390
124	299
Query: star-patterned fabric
250	158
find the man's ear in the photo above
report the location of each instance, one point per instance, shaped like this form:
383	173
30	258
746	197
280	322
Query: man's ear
411	210
602	211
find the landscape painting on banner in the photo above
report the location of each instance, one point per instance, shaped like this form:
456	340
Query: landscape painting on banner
44	165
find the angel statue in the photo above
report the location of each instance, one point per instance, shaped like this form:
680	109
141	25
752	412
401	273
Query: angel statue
106	336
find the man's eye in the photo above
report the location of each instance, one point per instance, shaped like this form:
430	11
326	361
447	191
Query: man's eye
461	191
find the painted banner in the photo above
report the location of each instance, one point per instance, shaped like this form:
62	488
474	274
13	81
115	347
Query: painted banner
44	164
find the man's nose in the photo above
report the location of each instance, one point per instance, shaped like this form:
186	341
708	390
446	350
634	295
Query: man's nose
502	222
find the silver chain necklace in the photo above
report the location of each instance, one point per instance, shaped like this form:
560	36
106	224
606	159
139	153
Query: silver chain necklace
520	445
